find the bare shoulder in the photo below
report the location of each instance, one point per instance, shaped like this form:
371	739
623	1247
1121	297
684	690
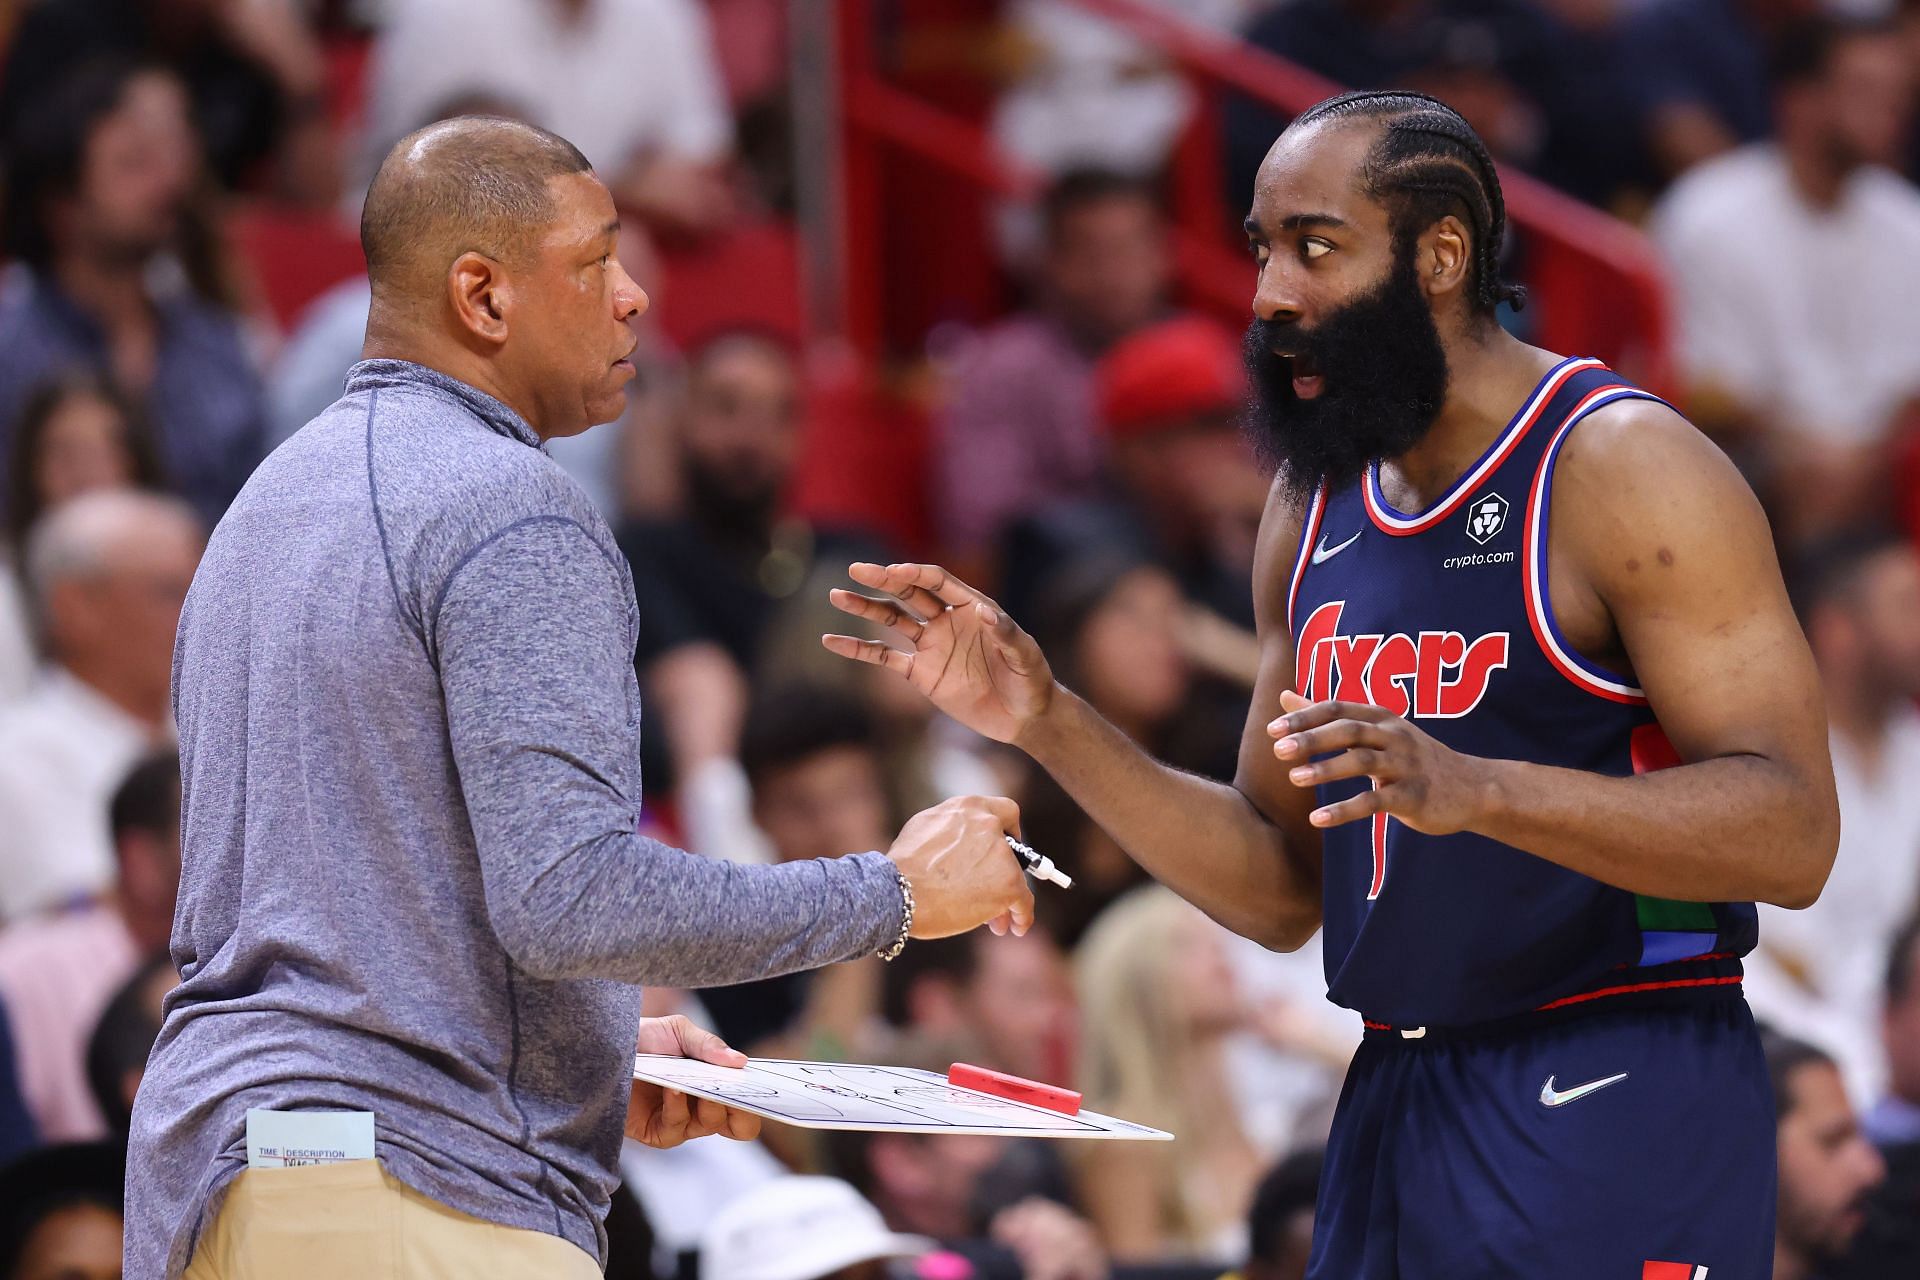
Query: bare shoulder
1648	498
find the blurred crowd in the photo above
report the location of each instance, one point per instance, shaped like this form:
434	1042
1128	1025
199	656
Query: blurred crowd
171	172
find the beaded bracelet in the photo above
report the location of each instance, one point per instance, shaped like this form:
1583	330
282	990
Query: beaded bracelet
906	919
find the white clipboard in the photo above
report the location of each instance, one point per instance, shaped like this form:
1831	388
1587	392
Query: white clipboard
877	1099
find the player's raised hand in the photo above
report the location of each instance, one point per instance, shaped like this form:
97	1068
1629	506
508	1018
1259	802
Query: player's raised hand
962	650
1430	787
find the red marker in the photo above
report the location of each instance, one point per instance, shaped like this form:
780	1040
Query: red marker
1017	1088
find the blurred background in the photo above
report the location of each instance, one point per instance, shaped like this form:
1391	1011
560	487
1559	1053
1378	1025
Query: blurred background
953	279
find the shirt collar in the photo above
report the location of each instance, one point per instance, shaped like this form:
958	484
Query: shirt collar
369	375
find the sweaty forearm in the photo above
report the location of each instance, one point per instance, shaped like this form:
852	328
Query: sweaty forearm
1732	829
1202	839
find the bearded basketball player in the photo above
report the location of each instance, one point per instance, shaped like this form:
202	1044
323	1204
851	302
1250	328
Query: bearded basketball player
1534	729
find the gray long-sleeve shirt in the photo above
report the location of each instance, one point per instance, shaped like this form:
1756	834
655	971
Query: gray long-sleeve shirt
409	733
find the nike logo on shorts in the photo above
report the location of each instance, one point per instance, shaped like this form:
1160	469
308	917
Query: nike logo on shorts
1551	1097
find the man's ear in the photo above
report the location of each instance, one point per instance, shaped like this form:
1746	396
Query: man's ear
481	296
1444	264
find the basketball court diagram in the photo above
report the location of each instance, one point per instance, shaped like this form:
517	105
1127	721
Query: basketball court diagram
837	1095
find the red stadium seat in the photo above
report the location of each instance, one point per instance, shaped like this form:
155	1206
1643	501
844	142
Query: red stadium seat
295	255
747	278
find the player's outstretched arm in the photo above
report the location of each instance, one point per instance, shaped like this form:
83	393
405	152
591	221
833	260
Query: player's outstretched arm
1244	854
1654	530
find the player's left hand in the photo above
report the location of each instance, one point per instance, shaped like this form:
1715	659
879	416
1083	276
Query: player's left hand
1430	787
662	1117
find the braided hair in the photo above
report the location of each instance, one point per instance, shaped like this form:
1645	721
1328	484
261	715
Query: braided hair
1428	163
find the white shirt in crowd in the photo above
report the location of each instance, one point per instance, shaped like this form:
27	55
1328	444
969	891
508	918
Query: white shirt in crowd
1806	312
64	750
627	76
1820	972
17	657
1093	94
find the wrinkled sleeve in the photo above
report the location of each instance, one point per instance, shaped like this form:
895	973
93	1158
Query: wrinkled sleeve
533	635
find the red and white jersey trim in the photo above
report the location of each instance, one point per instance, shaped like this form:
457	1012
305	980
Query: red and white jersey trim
1400	525
1309	531
1587	675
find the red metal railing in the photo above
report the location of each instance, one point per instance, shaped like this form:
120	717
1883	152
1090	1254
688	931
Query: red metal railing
1597	284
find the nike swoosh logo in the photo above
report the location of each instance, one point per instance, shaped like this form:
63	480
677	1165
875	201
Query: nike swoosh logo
1324	553
1551	1097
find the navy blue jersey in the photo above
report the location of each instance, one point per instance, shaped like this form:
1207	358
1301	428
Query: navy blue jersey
1444	616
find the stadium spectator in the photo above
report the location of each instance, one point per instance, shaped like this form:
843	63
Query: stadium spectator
1828	1169
76	433
1819	972
718	572
1889	1244
1186	490
1170	398
633	83
1542	85
1280	1224
1894	1119
123	1037
1287	1074
61	1213
1087	92
803	1228
925	756
1020	427
1159	1003
812	761
59	971
997	1206
1116	622
1003	1003
1814	353
1119	625
106	574
17	1134
99	176
1700	71
254	71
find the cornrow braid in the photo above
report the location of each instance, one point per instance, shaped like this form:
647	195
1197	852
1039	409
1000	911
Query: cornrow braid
1427	163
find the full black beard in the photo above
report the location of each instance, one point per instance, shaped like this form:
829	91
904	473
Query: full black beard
1386	378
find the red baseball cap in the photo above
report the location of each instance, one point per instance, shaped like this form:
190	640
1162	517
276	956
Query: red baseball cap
1167	375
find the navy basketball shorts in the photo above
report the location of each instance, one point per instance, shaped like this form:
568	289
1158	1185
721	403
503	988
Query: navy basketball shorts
1619	1144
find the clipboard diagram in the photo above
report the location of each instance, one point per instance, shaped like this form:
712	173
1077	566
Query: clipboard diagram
842	1095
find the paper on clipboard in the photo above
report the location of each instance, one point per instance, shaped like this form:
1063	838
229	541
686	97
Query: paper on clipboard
880	1099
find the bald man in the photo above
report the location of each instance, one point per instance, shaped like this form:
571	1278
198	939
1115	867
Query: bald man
412	892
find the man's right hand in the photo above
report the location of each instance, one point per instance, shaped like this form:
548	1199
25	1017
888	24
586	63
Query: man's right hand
955	856
964	653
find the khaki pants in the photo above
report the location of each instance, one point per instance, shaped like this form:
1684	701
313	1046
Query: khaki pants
354	1221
